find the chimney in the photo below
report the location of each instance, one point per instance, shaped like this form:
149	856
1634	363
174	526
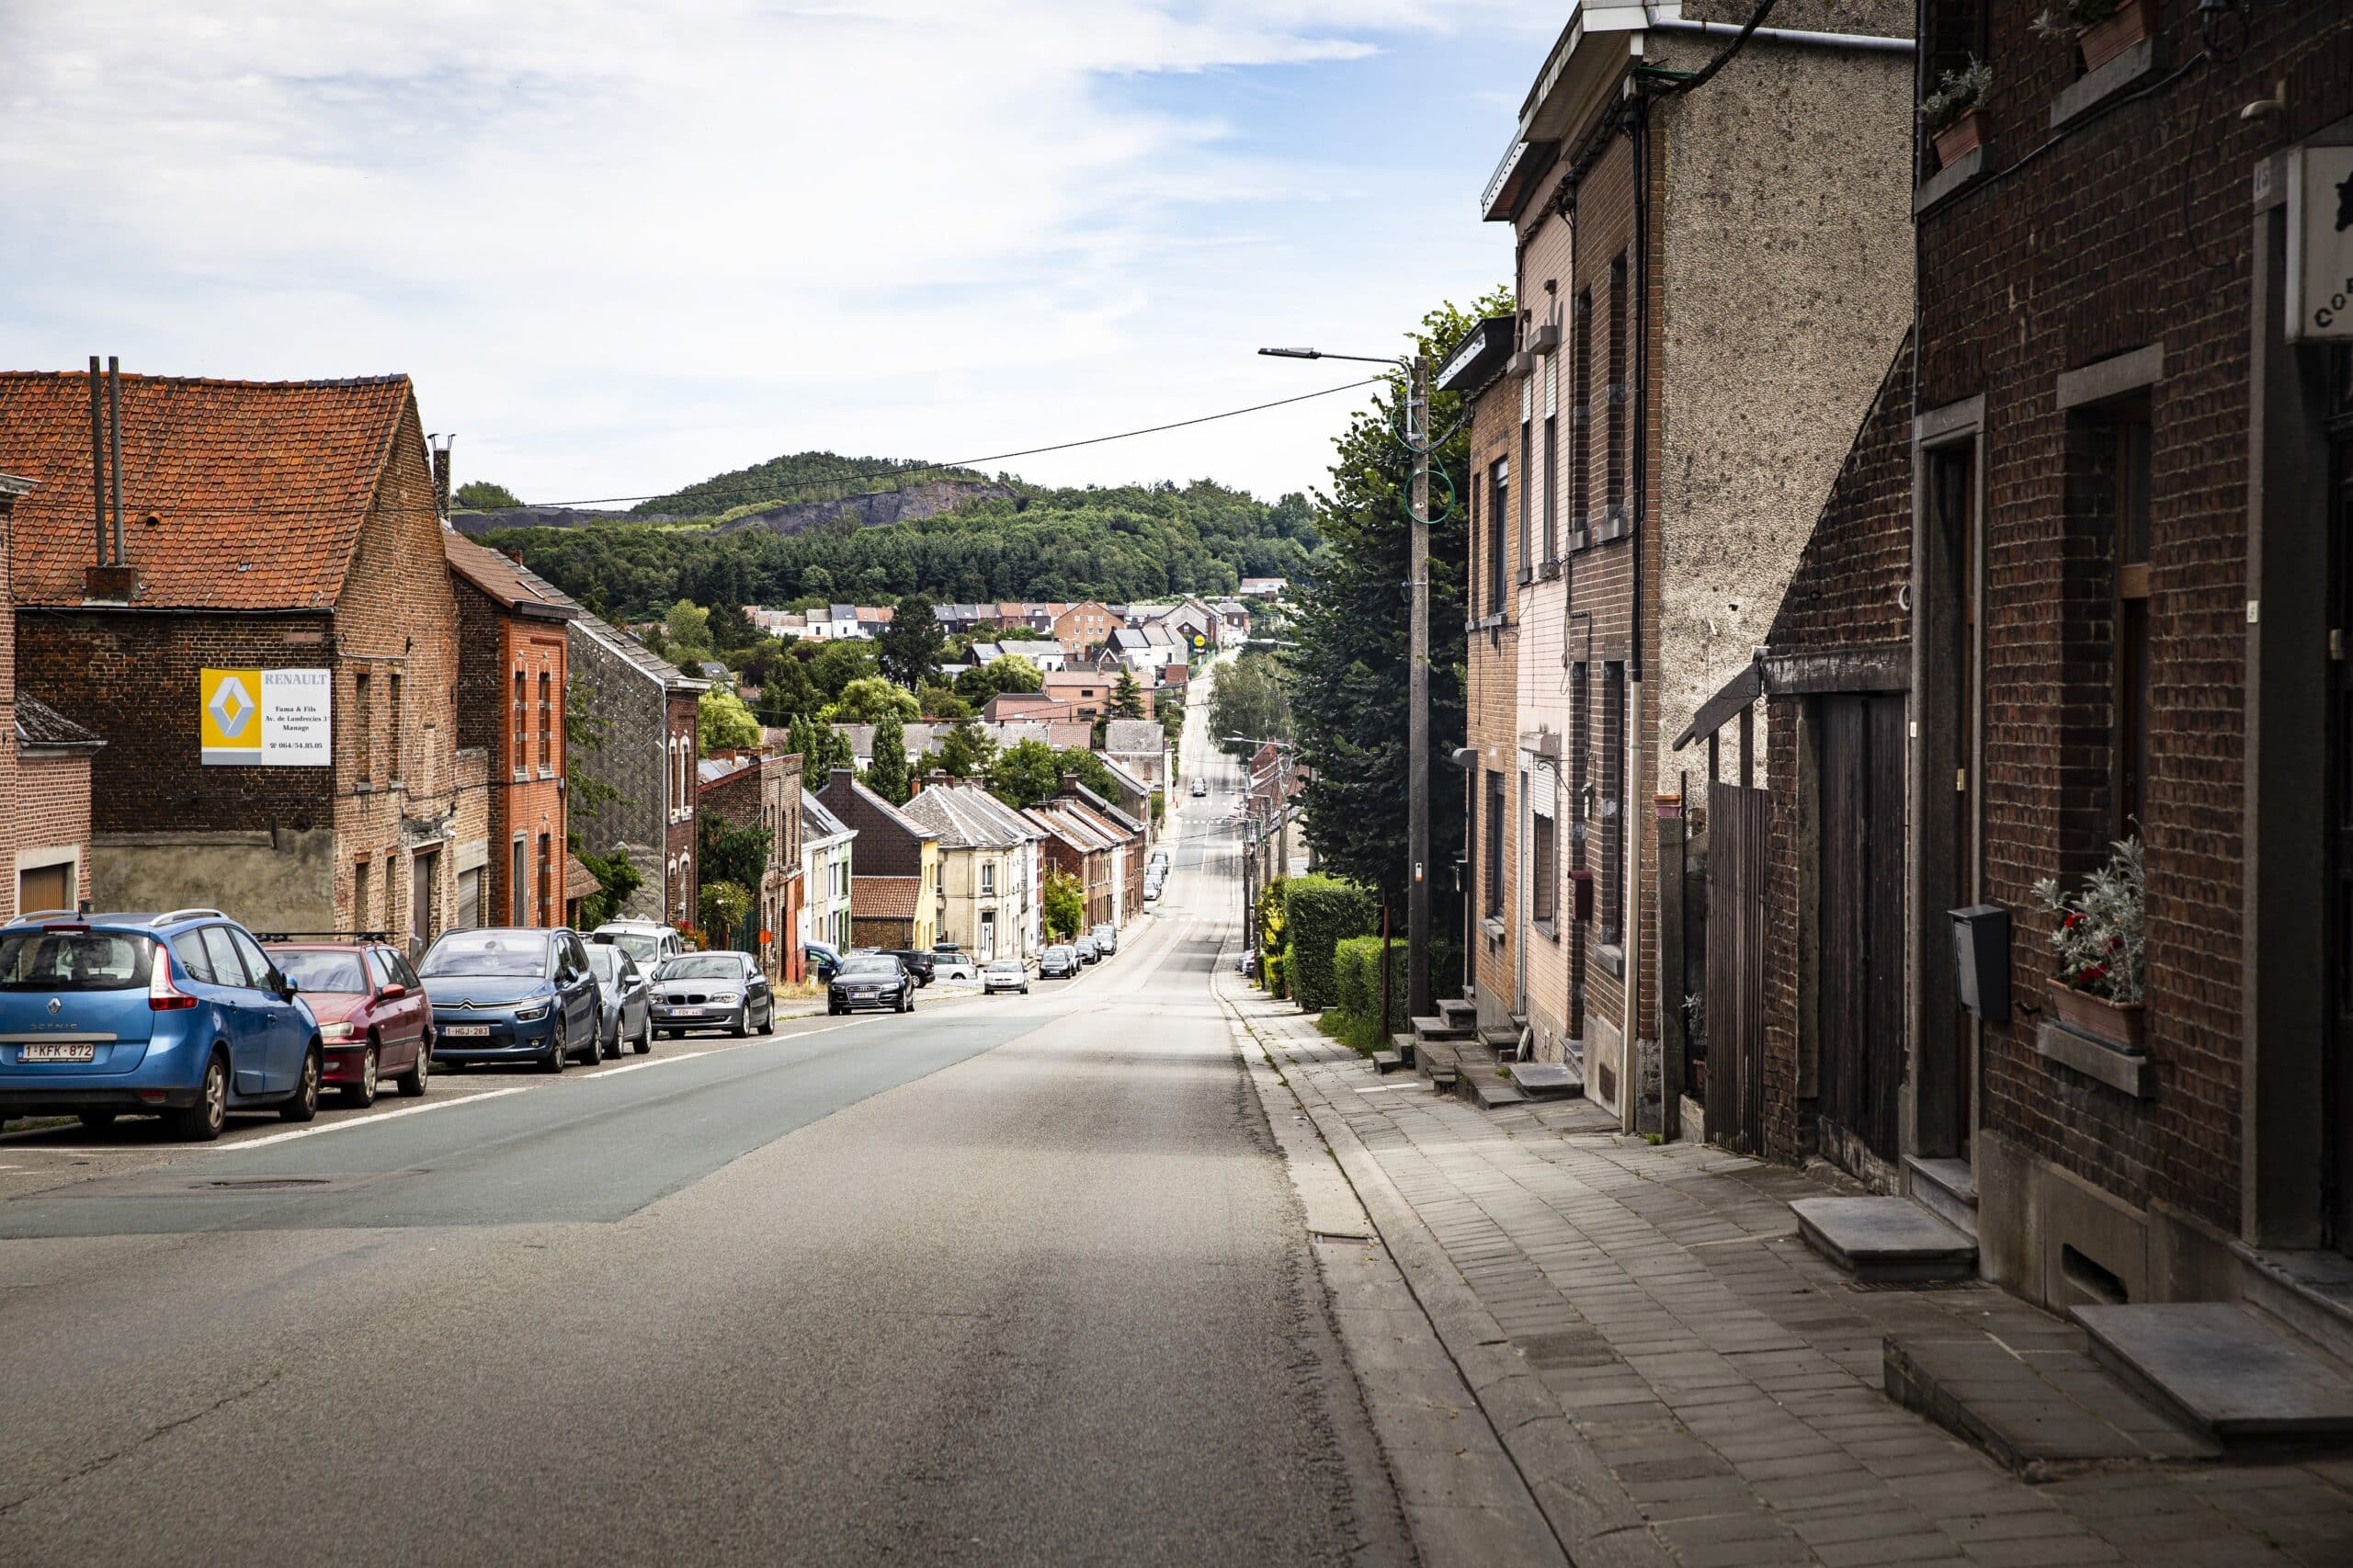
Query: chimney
938	779
841	779
1069	783
107	581
440	445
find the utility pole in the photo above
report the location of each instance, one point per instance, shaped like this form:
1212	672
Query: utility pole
1418	702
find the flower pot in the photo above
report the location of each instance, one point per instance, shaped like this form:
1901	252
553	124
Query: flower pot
1959	138
2107	38
2122	1027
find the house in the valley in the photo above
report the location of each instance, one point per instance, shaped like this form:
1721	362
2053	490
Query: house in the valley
640	744
827	847
988	868
894	890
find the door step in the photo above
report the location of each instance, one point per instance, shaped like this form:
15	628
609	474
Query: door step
1388	1060
1499	1040
1440	1029
2310	1292
1406	1046
1434	1059
1885	1241
1947	1188
2223	1373
1458	1013
1548	1080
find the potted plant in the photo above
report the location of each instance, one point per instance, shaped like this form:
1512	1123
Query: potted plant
2101	28
1955	112
2096	935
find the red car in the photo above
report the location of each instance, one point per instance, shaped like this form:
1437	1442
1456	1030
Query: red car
374	1019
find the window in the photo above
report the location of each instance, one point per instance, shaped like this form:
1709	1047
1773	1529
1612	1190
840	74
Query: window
2132	748
988	875
1529	480
517	883
1581	416
228	969
391	889
362	894
547	722
363	719
188	945
1495	842
522	727
468	899
1542	870
1612	803
1580	762
1498	508
1552	483
547	880
399	730
1614	453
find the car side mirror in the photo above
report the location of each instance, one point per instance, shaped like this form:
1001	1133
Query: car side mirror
288	985
393	992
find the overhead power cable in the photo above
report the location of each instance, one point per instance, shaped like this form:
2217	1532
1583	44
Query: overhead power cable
769	495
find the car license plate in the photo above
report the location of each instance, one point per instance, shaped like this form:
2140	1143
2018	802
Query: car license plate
687	1012
864	995
466	1031
58	1053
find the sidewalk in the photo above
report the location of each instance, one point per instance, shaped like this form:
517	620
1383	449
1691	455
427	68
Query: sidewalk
1678	1378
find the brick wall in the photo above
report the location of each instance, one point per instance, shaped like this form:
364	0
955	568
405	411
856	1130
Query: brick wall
685	883
520	732
53	811
627	750
2133	229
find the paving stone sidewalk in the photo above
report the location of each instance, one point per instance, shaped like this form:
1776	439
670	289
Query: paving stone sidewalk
1679	1379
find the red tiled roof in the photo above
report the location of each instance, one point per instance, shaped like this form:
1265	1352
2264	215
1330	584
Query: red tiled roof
503	580
258	488
887	898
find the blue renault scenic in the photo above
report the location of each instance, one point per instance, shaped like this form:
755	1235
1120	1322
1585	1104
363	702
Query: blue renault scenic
180	1014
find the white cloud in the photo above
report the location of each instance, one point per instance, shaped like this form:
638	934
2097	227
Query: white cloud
622	247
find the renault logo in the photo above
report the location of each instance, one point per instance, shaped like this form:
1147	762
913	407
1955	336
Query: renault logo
54	1006
231	706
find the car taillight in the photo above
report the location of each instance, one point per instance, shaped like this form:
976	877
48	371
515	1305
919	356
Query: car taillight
162	996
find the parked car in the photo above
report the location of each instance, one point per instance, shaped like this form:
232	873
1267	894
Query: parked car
1004	975
1107	938
1152	890
711	991
1087	951
955	966
625	1000
374	1022
513	994
822	958
647	941
1058	963
1199	788
920	964
178	1015
871	980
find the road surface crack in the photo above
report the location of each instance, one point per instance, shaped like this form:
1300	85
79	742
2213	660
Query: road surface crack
103	1461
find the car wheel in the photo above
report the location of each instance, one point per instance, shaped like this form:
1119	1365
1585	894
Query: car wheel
607	1053
411	1083
201	1123
97	1117
362	1094
559	1047
767	1017
305	1103
645	1035
743	1024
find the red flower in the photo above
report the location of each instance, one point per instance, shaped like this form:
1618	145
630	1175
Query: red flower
2073	921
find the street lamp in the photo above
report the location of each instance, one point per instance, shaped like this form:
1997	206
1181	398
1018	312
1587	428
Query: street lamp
1419	441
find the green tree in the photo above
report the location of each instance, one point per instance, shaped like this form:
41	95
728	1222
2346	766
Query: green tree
686	629
483	496
1091	772
1062	901
1127	698
1250	700
617	877
966	751
1024	773
1347	667
939	701
866	700
731	852
911	644
836	664
888	772
724	723
724	905
584	734
822	748
1011	673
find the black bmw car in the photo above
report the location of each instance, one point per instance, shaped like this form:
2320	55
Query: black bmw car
871	980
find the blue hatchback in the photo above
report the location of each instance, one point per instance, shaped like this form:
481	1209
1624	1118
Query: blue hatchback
180	1014
513	994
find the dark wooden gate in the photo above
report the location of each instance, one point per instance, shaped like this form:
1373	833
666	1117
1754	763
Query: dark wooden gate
1735	1022
1859	915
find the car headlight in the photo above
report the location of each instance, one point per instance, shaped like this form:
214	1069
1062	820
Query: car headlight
532	1014
725	997
332	1033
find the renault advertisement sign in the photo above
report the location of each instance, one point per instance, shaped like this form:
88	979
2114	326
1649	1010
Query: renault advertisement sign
268	718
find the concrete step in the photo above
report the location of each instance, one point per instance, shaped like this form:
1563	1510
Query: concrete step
1434	1059
1502	1041
2310	1293
1947	1188
1490	1090
1885	1241
1440	1028
1548	1080
2047	1406
1388	1061
2223	1373
1459	1012
1406	1046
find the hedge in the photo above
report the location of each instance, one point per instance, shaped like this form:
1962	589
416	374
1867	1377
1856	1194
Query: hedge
1276	964
1355	974
1321	912
1271	922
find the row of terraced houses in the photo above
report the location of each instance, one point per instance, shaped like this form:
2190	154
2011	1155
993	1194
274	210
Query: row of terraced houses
1862	533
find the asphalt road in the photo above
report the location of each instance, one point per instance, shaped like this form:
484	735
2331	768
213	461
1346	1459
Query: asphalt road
1013	1280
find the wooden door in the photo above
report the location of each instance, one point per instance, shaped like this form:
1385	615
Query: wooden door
45	888
1737	825
1858	917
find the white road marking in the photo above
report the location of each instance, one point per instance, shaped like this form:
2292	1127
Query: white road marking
376	1120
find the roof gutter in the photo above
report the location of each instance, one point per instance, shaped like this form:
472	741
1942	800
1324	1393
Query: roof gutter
1873	42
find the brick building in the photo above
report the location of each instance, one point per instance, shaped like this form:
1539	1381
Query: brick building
513	677
641	743
988	868
44	775
2084	578
1710	283
894	885
763	789
1078	844
1082	628
273	662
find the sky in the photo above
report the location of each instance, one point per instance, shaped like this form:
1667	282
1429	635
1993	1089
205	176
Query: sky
623	246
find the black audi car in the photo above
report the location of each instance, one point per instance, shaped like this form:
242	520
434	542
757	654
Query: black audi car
871	980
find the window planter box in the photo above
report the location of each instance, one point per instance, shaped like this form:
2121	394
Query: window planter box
2104	39
2122	1026
1963	136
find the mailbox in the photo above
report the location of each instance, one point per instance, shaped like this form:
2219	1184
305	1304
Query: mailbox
1981	943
